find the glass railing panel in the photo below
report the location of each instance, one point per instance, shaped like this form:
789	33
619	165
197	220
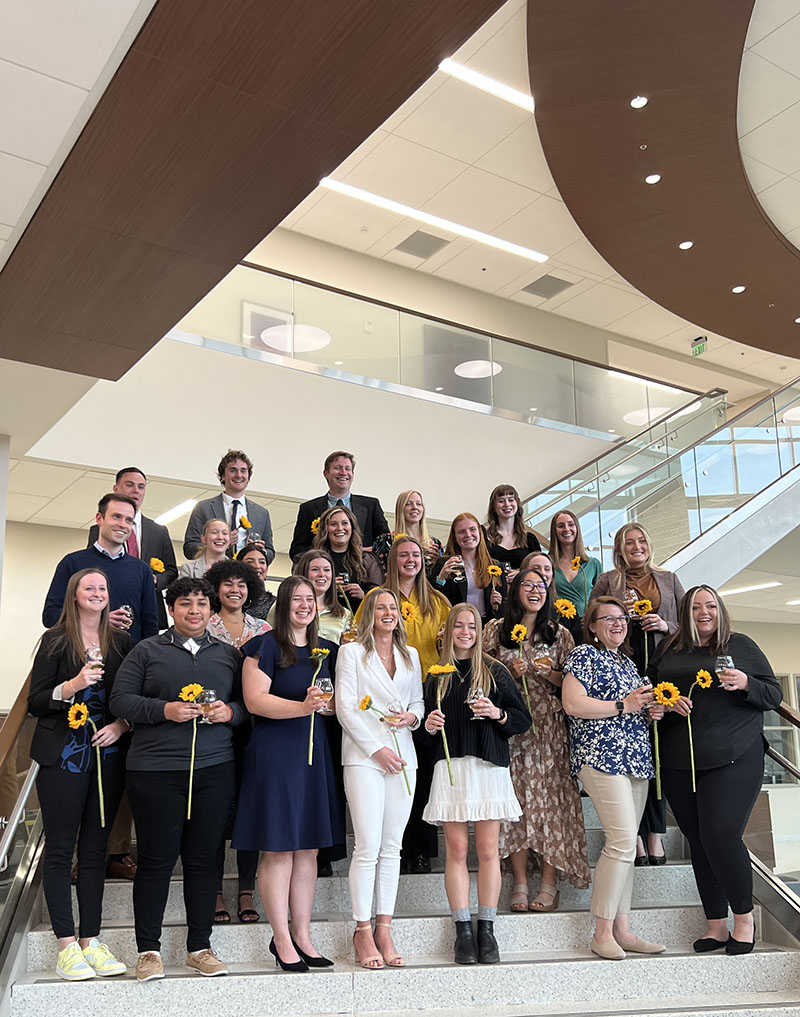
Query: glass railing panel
534	383
431	353
12	778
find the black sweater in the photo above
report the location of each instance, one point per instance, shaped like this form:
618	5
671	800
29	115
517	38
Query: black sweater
724	723
485	739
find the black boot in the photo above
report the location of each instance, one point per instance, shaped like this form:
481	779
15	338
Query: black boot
464	951
488	950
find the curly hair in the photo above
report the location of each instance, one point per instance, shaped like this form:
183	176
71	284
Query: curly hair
228	569
230	457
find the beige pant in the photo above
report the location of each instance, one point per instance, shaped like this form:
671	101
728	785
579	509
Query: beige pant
619	801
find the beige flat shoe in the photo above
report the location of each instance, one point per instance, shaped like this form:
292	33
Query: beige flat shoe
642	946
609	950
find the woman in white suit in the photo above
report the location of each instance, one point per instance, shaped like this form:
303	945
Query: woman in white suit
381	670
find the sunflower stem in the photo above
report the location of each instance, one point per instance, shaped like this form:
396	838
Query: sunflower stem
191	768
444	733
99	779
313	715
658	761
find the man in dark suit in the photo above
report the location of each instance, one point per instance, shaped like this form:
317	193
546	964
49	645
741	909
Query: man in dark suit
148	539
234	472
338	472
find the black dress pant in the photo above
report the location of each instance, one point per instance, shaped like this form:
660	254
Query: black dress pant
422	838
70	804
713	821
654	817
158	802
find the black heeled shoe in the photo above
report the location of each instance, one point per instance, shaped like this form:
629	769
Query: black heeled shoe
735	947
313	962
708	944
657	859
641	860
279	962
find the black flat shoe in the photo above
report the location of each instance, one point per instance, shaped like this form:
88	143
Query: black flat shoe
656	860
735	947
420	865
313	962
708	944
294	966
324	869
464	949
404	867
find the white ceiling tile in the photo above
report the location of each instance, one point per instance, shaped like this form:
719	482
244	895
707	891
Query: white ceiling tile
504	57
759	175
2	245
486	200
545	225
582	256
461	121
21	507
531	275
401	258
403	171
793	236
297	214
161	496
69	39
779	369
5	231
648	322
764	91
488	30
767	16
360	153
456	246
782	46
736	355
41	479
75	505
346	221
12	463
18	180
520	157
600	305
775	142
483	268
580	286
425	91
34	124
401	232
781	202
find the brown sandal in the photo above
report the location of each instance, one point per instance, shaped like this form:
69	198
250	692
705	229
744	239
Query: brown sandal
550	891
372	963
395	961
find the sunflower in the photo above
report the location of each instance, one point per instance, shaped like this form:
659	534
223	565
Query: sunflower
666	693
78	715
366	703
315	525
437	669
566	608
703	679
245	522
409	612
519	634
576	562
642	607
190	692
319	652
157	565
494	570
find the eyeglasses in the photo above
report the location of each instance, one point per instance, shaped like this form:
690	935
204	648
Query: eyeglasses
612	618
527	587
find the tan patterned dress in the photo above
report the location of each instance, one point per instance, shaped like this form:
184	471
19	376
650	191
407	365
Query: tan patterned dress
552	824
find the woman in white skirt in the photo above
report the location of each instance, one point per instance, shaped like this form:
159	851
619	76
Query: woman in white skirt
378	700
479	708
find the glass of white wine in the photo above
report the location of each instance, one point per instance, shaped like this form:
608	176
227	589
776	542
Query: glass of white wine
325	686
94	658
724	662
475	693
204	700
394	712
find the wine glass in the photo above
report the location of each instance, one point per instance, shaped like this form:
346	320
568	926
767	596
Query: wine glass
631	596
475	693
543	661
253	537
325	686
394	712
342	579
129	612
204	700
723	662
94	658
458	572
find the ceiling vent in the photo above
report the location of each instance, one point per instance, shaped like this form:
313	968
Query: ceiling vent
421	244
547	286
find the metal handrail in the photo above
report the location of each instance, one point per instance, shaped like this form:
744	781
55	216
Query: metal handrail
14	721
16	813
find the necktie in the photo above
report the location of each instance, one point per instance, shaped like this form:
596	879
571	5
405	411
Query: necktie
339	503
234	510
133	544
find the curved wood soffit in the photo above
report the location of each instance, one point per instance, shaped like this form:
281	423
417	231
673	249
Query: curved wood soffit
587	61
222	117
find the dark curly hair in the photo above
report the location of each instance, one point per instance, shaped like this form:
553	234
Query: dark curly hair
228	569
185	586
230	457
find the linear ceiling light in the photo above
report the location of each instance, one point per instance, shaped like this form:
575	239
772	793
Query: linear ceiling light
486	84
175	513
749	589
431	220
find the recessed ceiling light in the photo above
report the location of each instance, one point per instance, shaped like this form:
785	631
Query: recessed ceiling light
643	381
295	338
532	409
172	514
792	603
686	245
639	101
338	363
611	430
646	415
487	84
797	321
439	388
652	178
477	369
749	589
432	220
738	289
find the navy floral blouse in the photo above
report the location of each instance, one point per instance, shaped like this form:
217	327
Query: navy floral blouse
617	745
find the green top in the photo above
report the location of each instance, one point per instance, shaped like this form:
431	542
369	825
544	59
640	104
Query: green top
579	590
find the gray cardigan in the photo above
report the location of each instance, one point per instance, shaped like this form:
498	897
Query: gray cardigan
669	586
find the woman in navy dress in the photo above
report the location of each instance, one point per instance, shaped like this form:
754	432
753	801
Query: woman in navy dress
288	808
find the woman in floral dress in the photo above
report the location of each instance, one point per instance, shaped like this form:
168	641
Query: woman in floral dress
551	828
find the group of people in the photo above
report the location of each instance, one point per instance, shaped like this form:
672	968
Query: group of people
482	682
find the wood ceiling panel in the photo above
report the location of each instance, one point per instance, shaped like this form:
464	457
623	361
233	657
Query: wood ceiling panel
220	120
587	61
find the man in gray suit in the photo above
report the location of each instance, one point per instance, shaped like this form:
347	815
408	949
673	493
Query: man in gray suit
234	471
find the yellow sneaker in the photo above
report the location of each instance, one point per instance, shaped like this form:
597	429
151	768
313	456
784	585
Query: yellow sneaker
102	961
72	965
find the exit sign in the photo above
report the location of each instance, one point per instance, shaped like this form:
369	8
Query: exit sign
698	349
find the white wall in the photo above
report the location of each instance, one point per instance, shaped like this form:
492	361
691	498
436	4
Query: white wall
780	643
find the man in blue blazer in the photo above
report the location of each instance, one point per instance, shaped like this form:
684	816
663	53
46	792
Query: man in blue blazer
338	472
234	471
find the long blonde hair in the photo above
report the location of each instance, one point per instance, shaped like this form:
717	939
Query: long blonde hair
427	597
620	564
400	518
482	557
481	676
366	625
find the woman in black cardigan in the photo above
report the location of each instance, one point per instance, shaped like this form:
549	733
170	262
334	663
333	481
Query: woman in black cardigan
478	730
67	784
463	574
727	729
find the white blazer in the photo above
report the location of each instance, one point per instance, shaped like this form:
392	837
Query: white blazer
363	731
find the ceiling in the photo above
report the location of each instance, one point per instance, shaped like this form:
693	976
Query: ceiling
780	563
462	154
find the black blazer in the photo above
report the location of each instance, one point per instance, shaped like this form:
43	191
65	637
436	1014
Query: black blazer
368	512
50	669
156	543
456	590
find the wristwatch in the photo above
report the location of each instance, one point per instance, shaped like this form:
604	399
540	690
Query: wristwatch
620	707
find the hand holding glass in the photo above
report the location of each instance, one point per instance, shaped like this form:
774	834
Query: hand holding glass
94	658
723	663
473	697
325	686
204	700
394	713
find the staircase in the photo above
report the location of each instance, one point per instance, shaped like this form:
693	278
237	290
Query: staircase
546	968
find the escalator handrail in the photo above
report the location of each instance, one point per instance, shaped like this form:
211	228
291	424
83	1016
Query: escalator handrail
14	721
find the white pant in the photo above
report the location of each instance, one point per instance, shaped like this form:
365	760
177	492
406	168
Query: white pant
379	808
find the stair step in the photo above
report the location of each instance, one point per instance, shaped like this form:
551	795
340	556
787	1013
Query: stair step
553	980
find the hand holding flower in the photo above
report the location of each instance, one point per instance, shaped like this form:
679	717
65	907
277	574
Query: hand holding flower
434	721
517	667
654	623
109	733
389	760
